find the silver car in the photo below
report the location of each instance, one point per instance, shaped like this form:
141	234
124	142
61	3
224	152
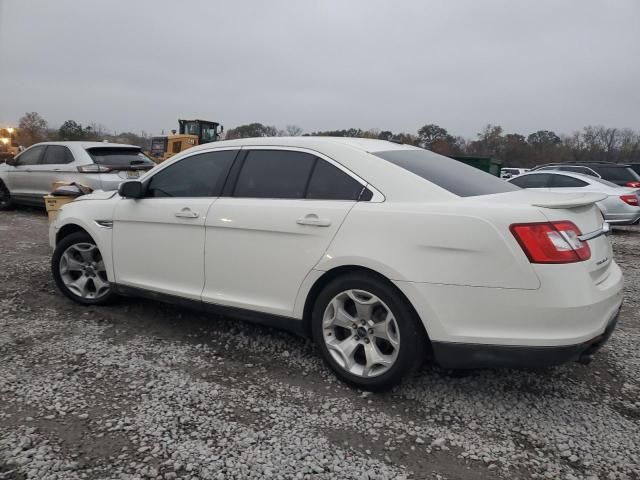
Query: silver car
621	207
100	166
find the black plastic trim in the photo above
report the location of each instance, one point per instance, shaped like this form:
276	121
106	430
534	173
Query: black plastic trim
293	325
472	355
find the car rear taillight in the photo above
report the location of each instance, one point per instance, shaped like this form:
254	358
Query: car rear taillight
629	200
551	242
93	168
632	184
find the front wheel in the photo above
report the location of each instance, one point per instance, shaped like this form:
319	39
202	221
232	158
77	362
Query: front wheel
79	272
367	332
6	202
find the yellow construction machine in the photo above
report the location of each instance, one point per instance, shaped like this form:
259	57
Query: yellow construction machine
192	133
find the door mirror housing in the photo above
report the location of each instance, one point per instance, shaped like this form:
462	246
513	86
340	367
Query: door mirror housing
131	189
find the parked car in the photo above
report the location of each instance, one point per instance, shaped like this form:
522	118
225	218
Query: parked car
621	205
29	176
635	167
380	252
510	172
618	173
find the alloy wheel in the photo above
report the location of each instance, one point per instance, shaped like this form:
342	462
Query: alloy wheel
361	333
82	271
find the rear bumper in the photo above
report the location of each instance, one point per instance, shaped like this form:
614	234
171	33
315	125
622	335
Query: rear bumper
468	355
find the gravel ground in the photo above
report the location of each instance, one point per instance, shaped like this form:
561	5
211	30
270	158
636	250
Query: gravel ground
143	390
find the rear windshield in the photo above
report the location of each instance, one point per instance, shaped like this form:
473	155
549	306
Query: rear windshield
452	175
119	157
620	174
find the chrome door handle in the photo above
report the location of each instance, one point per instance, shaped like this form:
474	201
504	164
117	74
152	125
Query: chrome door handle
313	220
186	213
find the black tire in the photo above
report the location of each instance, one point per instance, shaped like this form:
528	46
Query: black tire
78	238
413	343
6	202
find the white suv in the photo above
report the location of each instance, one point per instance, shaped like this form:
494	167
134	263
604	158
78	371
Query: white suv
381	252
99	166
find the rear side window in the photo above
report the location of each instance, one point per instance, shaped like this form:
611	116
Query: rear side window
119	157
31	156
201	175
563	181
57	155
274	174
584	170
617	174
535	180
452	175
330	183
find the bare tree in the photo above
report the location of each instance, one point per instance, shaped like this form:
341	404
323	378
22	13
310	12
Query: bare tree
32	128
293	130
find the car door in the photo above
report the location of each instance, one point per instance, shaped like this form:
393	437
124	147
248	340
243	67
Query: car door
272	226
21	178
158	240
54	166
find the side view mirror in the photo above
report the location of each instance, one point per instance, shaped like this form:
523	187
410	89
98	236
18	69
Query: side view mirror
131	189
11	161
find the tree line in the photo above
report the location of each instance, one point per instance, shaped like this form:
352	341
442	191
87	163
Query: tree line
591	143
32	128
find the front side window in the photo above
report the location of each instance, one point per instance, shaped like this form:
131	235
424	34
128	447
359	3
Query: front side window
274	174
57	155
30	157
452	175
201	175
535	180
563	181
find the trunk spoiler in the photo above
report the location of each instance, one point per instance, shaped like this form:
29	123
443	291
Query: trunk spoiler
571	200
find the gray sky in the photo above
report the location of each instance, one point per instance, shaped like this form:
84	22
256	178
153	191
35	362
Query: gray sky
141	65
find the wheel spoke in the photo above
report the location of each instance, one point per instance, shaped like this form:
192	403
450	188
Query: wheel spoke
70	264
375	358
99	284
346	350
385	330
363	302
340	317
86	252
79	286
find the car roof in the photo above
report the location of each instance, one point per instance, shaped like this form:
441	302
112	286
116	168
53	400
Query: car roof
560	172
362	144
83	144
583	164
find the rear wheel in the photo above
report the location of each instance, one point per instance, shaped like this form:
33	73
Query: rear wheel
366	331
5	197
79	271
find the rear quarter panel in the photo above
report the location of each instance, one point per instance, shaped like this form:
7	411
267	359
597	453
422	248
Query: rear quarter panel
456	243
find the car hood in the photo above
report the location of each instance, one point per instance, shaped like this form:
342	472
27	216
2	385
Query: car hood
97	195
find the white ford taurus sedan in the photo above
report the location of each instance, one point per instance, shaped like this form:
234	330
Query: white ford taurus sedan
384	253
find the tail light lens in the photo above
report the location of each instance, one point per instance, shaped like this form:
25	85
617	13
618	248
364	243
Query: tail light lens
551	242
629	199
632	184
93	168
